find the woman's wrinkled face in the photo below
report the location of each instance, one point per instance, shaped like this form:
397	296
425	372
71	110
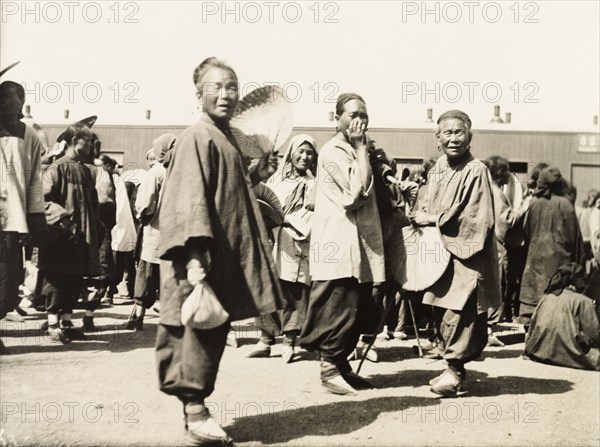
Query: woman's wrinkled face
220	94
303	157
453	137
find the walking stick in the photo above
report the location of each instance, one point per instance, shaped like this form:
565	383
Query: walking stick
412	314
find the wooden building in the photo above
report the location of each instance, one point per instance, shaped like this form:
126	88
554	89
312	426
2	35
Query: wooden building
576	154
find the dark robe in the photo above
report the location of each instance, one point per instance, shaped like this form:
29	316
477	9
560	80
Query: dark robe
207	198
565	331
68	184
553	238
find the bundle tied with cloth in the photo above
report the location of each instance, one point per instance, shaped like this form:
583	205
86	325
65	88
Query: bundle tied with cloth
202	309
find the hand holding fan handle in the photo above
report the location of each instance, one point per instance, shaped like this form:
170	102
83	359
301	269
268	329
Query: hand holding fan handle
265	168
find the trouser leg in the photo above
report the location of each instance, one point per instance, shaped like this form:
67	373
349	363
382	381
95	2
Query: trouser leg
334	323
464	333
61	291
11	271
188	360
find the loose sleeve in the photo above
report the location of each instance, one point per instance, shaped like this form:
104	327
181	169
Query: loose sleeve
467	224
589	329
187	194
506	217
146	200
35	194
338	166
51	178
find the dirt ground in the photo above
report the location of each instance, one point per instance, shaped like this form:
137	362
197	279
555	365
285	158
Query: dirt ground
103	391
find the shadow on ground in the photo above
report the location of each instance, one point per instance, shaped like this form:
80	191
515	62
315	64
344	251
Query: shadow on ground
477	384
322	420
111	337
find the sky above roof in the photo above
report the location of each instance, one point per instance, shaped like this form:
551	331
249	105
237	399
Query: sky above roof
537	60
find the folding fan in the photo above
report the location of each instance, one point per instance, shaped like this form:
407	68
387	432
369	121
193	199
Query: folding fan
262	121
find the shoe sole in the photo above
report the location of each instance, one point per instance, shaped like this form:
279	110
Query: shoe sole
444	392
259	355
206	440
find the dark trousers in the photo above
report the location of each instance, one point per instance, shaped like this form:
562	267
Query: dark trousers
290	319
124	267
107	261
11	271
61	291
188	360
516	257
147	284
338	311
463	332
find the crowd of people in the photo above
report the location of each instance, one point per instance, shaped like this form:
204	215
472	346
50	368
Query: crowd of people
302	244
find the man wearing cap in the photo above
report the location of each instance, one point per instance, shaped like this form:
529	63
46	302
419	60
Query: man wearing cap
72	212
21	197
460	205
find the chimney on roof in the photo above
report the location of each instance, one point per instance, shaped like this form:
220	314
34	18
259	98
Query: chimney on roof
429	116
496	119
507	117
330	116
66	114
28	111
148	113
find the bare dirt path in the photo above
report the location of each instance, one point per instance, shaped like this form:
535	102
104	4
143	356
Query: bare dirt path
103	391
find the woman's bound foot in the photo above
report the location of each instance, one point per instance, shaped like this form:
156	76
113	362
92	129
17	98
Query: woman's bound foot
203	430
260	350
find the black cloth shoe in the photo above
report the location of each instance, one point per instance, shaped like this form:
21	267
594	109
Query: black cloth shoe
88	324
358	382
71	332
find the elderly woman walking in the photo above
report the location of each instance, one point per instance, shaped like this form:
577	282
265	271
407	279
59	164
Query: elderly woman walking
460	205
293	184
348	248
211	233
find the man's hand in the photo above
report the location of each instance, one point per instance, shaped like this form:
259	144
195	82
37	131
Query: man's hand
409	190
